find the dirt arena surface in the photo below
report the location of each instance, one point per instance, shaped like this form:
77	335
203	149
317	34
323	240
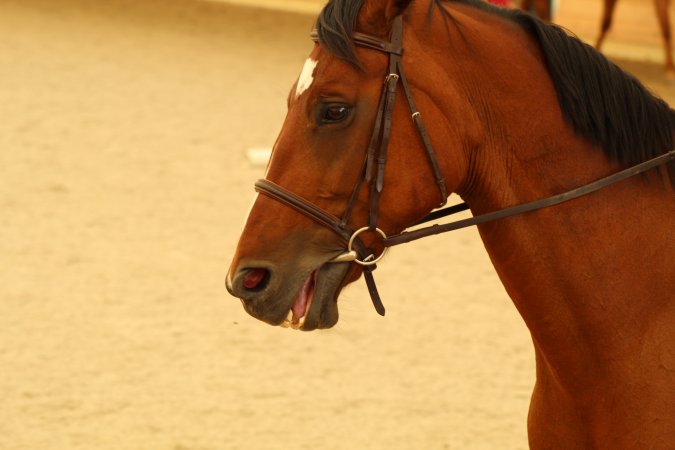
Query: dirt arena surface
123	187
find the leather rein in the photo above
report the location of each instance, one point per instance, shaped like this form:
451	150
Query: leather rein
372	173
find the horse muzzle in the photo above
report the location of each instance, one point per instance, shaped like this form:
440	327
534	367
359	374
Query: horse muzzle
302	299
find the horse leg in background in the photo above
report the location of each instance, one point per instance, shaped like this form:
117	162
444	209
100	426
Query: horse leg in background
526	5
606	23
664	23
541	7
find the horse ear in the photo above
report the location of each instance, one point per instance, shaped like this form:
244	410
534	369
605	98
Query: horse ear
377	16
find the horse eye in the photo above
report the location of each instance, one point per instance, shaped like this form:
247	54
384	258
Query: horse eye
334	114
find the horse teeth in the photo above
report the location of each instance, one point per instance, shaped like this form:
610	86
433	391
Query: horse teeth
297	326
288	321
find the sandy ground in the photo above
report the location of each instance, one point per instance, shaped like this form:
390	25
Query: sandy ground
123	184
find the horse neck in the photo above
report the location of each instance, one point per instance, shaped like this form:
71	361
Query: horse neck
559	265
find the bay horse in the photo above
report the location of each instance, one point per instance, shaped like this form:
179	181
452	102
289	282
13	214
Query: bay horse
588	264
661	7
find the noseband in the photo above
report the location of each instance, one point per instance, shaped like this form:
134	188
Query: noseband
376	159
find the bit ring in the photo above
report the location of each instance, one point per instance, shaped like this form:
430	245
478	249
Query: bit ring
369	260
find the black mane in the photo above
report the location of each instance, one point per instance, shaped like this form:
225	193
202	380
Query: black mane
606	105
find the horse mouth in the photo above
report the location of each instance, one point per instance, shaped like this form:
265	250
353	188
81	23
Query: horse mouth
315	303
302	303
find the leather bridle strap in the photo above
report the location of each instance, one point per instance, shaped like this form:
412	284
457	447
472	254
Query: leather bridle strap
389	95
421	129
307	208
394	47
410	236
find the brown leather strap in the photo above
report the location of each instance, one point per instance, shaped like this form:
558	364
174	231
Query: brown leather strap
355	195
531	206
364	40
392	48
372	289
388	111
303	206
445	212
375	137
386	114
421	129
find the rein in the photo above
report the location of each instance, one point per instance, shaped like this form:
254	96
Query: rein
375	161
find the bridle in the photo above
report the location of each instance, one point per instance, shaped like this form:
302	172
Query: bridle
372	173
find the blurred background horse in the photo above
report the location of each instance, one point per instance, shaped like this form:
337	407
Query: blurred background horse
541	8
661	7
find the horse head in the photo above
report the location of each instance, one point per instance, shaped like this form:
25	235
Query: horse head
284	269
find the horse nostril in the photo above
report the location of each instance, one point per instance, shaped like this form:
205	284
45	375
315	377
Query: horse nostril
256	279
